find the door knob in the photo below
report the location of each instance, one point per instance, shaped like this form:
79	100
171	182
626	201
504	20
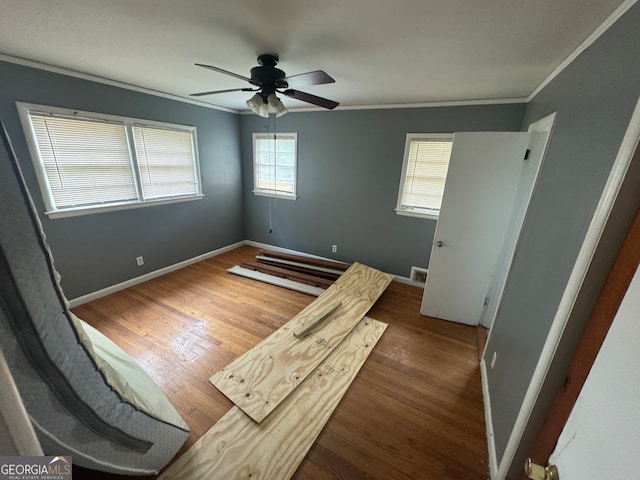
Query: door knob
538	472
439	243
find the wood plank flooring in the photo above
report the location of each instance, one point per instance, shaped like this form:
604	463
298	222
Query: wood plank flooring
413	412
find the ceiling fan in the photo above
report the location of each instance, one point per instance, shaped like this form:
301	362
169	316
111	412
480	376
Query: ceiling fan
267	80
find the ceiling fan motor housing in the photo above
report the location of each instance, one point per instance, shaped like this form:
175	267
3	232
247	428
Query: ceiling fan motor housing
269	78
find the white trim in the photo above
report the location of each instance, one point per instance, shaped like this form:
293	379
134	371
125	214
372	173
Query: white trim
148	276
106	81
267	246
416	211
407	281
177	266
511	242
25	109
488	420
79	211
271	194
589	245
278	281
412	213
597	33
388	106
200	103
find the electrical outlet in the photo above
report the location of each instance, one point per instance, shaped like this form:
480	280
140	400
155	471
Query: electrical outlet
140	261
334	248
493	359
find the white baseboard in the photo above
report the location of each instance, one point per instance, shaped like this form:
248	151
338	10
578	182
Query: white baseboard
171	268
408	281
148	276
266	246
397	278
488	420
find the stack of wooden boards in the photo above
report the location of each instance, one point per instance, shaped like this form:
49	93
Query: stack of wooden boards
286	387
302	273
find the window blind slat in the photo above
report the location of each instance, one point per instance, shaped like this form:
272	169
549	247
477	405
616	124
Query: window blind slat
85	161
166	162
275	163
427	162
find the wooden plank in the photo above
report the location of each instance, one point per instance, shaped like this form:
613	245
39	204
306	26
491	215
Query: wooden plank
278	271
319	262
263	377
291	263
273	280
317	319
329	275
237	447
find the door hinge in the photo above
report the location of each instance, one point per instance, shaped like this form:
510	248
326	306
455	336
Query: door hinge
527	154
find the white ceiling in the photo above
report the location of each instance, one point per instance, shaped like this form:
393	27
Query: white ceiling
381	52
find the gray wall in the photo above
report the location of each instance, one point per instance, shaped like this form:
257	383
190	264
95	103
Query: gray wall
594	97
349	167
96	251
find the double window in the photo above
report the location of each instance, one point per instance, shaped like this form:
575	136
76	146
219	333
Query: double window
88	162
275	164
424	172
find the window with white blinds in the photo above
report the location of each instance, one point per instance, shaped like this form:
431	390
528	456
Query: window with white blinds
88	162
424	172
275	164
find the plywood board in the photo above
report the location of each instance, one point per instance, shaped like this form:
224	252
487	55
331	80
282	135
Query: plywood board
237	447
265	375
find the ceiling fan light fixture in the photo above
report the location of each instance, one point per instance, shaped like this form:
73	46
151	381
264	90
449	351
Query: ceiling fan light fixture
275	105
257	106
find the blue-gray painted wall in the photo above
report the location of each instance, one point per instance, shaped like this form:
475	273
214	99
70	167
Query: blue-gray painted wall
349	167
97	251
594	98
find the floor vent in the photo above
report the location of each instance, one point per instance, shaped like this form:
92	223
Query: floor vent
419	274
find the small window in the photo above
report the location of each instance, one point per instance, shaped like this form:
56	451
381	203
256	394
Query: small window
275	164
89	162
424	172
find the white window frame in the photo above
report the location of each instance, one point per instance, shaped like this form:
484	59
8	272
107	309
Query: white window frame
400	208
274	192
52	210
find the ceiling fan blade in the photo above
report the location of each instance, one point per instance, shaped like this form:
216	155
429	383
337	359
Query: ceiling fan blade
317	77
307	97
224	91
226	72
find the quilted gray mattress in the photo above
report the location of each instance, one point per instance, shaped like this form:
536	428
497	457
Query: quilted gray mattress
73	408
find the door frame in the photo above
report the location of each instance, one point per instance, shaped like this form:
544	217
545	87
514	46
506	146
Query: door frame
499	280
500	467
600	320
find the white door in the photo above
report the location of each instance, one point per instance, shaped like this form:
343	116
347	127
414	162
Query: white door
600	439
482	181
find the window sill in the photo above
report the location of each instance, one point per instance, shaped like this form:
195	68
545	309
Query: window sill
76	212
263	193
410	213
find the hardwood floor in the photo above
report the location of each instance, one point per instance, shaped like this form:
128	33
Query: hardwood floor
413	412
